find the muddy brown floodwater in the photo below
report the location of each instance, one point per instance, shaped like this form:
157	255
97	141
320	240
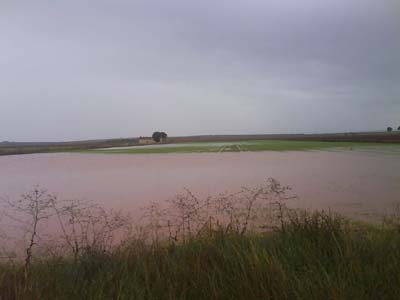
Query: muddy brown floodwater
357	184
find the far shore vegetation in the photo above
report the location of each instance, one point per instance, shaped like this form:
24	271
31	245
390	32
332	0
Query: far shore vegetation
252	146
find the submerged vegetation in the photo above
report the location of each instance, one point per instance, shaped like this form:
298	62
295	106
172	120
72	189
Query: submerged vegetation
260	145
243	245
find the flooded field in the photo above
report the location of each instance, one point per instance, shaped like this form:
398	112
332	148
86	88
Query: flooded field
250	145
361	184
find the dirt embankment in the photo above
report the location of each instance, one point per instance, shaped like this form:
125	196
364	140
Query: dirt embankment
10	148
370	137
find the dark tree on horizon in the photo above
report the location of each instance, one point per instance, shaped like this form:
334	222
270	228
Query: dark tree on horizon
398	128
389	129
159	136
156	136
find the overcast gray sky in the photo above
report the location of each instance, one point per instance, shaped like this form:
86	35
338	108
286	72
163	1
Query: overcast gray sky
76	69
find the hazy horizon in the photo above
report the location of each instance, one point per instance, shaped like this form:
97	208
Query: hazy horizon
148	134
77	70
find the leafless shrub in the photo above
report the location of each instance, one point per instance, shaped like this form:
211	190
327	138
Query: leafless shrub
152	222
30	211
88	227
186	215
80	226
76	226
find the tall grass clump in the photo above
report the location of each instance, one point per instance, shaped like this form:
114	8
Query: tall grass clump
222	248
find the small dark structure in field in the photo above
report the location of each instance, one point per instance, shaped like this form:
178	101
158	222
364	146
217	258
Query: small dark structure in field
143	140
389	129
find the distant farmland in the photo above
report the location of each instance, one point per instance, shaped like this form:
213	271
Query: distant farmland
253	146
11	148
370	137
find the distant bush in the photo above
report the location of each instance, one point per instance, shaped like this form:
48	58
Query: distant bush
159	137
389	129
156	136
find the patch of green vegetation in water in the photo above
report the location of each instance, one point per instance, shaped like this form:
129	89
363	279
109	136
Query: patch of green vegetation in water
260	145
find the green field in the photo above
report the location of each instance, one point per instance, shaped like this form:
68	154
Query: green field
261	145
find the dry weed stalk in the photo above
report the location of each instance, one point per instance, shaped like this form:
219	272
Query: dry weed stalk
82	227
88	227
29	211
79	226
186	215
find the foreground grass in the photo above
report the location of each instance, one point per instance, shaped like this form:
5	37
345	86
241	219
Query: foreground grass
262	145
312	257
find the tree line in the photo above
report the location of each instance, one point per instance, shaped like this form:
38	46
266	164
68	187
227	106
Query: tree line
390	129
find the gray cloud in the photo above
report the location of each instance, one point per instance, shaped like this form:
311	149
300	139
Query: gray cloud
93	69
